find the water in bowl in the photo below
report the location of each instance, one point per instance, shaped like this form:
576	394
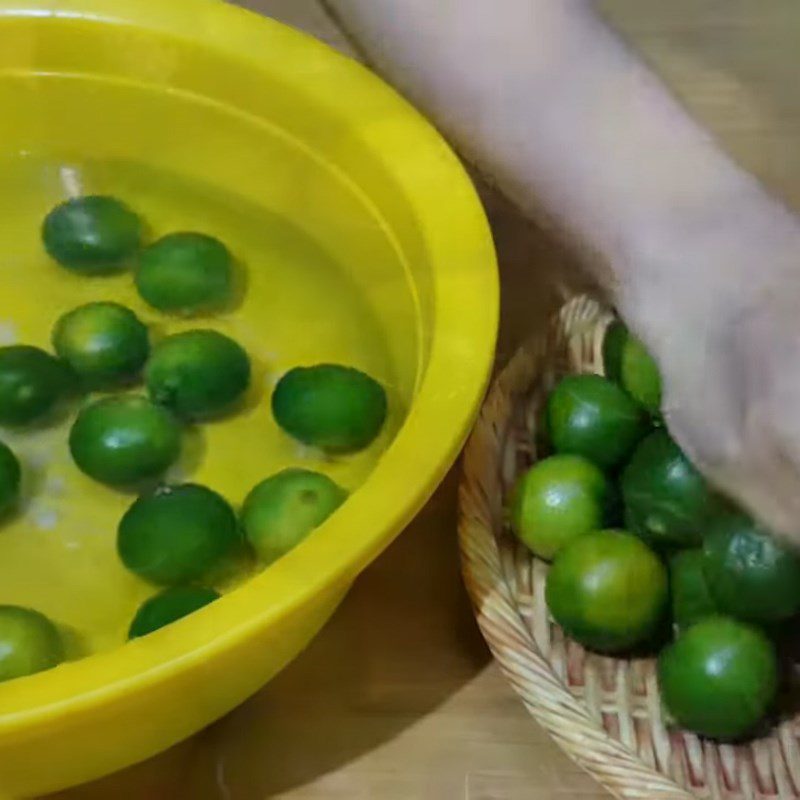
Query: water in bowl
296	305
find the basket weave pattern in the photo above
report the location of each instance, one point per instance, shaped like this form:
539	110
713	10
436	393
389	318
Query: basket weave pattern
604	712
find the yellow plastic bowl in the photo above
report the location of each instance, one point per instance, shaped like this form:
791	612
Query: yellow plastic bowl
364	243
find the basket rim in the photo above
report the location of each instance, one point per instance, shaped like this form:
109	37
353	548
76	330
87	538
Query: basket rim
618	769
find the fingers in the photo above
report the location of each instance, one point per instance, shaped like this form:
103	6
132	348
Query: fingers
765	480
733	405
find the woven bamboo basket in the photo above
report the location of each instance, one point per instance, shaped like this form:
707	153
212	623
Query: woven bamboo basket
604	712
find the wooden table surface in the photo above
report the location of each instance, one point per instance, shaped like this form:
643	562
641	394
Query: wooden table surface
397	699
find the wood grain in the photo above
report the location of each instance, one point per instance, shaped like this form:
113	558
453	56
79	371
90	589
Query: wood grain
397	700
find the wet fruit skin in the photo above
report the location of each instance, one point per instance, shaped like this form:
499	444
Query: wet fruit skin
91	234
10	477
282	510
169	606
177	534
626	360
104	343
123	440
750	574
719	678
185	273
336	408
608	591
691	597
29	642
199	374
590	416
667	501
558	499
32	383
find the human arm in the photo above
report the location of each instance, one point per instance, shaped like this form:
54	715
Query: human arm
551	104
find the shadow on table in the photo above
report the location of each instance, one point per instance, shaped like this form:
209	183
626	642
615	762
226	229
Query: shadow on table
401	644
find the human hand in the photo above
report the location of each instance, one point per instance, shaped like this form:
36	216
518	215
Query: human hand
720	311
703	264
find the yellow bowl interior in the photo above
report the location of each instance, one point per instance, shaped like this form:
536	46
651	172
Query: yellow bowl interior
358	240
301	303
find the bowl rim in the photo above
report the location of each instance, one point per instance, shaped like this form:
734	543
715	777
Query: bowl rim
441	414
